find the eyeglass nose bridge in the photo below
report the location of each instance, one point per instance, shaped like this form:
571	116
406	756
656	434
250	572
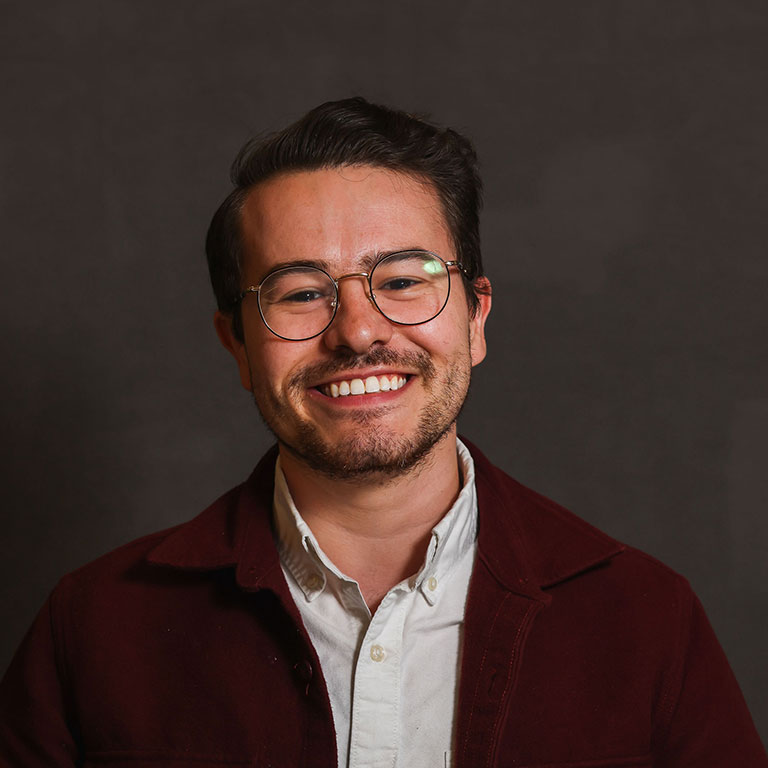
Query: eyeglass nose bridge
369	292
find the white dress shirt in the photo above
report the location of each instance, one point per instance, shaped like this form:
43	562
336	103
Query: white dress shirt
392	677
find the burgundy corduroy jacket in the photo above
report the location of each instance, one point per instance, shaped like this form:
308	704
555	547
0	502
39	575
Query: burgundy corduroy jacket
184	649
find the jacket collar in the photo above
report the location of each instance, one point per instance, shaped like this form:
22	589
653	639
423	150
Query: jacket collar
234	531
526	541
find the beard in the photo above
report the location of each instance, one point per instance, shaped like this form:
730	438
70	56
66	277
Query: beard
373	452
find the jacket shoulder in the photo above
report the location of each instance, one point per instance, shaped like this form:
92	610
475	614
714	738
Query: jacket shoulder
552	527
551	544
211	527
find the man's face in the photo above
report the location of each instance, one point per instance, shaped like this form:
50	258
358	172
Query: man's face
341	219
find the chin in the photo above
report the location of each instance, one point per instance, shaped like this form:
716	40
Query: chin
369	454
365	448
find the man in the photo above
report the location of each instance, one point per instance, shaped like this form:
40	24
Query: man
376	594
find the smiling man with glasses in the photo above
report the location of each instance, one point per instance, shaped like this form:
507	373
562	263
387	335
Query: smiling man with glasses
376	593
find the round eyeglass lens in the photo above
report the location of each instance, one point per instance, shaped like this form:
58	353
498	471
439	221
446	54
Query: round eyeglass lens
410	287
297	302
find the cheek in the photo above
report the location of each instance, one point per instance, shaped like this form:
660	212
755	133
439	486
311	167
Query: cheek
446	341
453	332
264	362
275	362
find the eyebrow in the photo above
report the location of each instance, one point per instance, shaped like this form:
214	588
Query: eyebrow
365	262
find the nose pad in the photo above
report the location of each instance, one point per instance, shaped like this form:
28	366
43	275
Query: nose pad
357	324
335	303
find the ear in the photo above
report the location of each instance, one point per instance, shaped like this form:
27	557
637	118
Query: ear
477	321
223	324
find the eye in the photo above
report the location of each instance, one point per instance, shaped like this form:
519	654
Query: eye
302	297
296	290
398	284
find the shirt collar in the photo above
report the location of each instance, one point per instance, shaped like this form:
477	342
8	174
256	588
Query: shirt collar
528	542
451	540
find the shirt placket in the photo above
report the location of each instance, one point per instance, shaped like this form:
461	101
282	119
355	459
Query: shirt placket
374	735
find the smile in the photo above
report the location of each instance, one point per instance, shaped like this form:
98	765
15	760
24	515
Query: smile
384	383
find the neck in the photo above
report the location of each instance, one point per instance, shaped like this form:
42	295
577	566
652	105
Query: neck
376	531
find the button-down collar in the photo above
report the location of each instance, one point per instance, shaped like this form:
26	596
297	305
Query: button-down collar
540	544
314	572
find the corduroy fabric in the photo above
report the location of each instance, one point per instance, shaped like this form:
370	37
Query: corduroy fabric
184	648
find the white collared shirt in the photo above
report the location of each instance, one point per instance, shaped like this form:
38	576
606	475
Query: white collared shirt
392	677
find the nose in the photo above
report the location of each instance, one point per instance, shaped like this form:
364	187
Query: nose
358	324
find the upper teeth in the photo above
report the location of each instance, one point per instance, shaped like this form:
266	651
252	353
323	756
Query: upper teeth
363	386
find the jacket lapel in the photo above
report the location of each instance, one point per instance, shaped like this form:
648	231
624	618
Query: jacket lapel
236	532
526	544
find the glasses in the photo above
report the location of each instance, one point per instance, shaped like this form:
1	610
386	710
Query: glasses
299	302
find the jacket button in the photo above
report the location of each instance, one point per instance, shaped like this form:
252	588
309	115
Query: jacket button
303	670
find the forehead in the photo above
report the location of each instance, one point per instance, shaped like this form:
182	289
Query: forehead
340	216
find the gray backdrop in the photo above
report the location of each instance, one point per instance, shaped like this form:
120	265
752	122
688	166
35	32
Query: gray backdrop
623	146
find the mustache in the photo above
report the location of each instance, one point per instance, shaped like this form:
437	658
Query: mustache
419	361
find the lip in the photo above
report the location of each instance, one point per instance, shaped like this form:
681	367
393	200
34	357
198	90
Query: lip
363	374
369	400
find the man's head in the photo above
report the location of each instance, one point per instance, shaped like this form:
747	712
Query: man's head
348	133
334	222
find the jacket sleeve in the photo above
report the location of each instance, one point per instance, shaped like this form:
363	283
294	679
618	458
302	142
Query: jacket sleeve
34	727
707	722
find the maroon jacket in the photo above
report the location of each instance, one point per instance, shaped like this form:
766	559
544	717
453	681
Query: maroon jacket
185	649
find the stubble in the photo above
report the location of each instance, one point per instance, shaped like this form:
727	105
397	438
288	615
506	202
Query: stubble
373	451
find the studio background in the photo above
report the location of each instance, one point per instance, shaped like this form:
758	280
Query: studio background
623	149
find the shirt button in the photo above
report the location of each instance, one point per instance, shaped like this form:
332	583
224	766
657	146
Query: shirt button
377	653
432	583
314	582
